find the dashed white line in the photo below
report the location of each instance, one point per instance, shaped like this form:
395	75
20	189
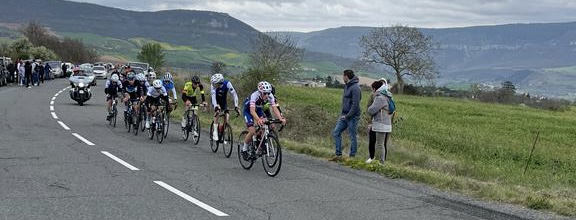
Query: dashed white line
83	139
52	102
119	160
63	125
56	95
51	108
54	115
53	98
191	199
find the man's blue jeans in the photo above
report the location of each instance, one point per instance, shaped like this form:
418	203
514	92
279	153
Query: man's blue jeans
352	126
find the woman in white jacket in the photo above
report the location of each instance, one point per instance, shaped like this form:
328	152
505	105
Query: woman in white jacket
381	120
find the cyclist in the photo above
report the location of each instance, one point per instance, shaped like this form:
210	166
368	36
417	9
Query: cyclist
219	88
132	91
112	87
168	83
153	96
190	95
254	112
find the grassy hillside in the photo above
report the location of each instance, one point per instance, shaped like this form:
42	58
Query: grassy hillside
474	148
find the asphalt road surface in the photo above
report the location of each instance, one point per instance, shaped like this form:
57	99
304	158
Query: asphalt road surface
59	160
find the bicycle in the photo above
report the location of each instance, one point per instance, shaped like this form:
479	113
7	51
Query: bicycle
142	116
192	125
158	123
113	113
225	136
268	148
174	105
131	118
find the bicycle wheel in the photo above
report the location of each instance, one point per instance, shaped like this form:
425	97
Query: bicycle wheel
186	130
136	120
272	157
114	115
246	164
213	143
228	141
160	126
166	123
143	118
127	121
196	129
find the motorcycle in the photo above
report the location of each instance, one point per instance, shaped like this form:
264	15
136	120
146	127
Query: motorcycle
80	91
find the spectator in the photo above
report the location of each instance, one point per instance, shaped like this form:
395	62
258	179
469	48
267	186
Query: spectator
47	70
349	116
64	69
11	72
371	134
21	73
381	120
28	73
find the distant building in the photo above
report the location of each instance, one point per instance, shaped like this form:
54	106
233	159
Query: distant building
306	83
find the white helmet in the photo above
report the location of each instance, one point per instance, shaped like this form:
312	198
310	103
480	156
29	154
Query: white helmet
264	87
114	78
168	76
152	76
140	77
157	84
217	78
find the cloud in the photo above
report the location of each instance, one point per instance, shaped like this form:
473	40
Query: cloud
307	15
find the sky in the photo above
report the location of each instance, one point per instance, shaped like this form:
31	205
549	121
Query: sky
314	15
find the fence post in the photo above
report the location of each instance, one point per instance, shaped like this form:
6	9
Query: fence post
531	152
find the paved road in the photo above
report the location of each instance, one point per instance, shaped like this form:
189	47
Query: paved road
93	171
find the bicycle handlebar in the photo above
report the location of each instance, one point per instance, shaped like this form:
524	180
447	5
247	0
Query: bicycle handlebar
223	112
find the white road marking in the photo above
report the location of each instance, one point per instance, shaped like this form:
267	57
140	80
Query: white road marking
54	115
63	125
83	139
53	98
191	199
51	108
56	95
119	160
52	102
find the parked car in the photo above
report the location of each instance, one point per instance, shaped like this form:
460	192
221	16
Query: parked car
56	69
100	72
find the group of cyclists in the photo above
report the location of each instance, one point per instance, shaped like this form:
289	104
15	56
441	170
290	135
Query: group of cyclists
135	88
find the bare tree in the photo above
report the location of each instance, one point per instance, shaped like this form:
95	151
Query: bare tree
217	67
404	49
276	56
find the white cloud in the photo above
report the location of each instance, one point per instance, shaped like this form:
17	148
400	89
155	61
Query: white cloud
307	15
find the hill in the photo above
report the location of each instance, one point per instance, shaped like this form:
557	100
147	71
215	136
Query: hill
529	55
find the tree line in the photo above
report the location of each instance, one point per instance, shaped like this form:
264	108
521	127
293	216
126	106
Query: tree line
39	43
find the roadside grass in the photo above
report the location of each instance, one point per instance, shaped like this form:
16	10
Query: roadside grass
474	148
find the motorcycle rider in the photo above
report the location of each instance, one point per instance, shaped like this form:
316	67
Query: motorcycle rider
111	89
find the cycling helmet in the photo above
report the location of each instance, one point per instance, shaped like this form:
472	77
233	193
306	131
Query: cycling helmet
140	77
195	79
131	76
152	76
114	78
217	78
168	76
264	87
157	84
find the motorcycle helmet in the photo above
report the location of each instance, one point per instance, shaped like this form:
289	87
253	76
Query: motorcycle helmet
157	84
264	87
217	78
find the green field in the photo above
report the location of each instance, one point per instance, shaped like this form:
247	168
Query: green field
473	148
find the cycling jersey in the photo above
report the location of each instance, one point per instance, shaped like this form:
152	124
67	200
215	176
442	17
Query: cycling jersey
191	93
153	92
169	86
112	88
132	89
219	95
256	100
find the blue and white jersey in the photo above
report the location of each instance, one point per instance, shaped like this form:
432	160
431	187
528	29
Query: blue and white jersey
219	95
169	86
256	100
153	92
